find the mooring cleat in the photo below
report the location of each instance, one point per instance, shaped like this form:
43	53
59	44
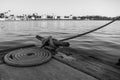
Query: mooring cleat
51	43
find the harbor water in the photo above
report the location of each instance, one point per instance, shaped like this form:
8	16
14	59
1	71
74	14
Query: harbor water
104	41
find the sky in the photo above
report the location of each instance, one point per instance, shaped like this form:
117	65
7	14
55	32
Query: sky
62	7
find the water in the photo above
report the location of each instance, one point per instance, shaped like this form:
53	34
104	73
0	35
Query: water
102	42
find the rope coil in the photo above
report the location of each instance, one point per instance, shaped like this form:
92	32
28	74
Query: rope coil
27	57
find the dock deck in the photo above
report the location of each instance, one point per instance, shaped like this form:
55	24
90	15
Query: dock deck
76	66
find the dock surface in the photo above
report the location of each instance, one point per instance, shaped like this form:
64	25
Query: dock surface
66	65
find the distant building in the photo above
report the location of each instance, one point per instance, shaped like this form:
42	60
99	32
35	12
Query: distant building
49	17
21	17
44	16
58	17
11	17
66	17
71	16
38	17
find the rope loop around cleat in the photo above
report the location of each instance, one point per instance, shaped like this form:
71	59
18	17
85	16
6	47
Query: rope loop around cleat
27	57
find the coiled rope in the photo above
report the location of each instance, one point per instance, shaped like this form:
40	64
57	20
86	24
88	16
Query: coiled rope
27	57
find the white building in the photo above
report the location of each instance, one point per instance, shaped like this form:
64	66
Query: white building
44	16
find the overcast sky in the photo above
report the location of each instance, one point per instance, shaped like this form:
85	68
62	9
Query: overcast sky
62	7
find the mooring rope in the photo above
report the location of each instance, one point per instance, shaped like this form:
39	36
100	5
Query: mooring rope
27	57
54	42
78	35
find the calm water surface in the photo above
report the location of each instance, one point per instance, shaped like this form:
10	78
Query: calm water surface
104	41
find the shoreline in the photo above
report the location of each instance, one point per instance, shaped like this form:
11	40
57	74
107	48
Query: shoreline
53	20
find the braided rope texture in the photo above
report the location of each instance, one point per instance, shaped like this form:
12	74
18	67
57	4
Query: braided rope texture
27	57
